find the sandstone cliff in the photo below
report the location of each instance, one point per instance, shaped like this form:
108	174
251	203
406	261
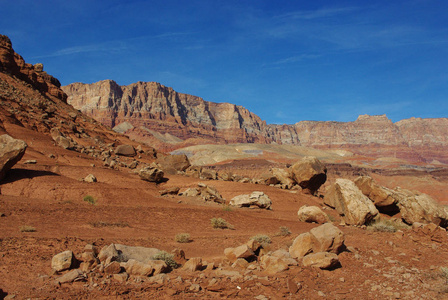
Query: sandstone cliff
152	106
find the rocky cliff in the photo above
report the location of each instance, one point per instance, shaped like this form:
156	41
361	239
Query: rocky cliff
152	106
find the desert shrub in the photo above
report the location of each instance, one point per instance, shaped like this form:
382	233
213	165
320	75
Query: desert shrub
89	199
182	238
284	231
100	224
226	207
444	273
385	225
167	258
27	228
220	223
262	239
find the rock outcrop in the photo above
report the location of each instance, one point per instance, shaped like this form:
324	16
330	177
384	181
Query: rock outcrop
151	107
309	173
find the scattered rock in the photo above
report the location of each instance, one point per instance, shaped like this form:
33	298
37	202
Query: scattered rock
283	177
30	162
348	200
90	178
380	196
170	191
322	260
113	268
258	199
243	251
273	264
312	214
309	173
134	267
11	151
73	275
62	261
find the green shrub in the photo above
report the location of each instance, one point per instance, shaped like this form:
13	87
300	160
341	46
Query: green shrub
262	239
220	223
167	258
182	238
89	199
27	228
226	207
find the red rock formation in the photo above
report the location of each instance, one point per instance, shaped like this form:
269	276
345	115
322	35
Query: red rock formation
153	106
13	64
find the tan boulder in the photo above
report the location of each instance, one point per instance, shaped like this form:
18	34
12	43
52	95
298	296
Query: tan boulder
62	261
159	266
243	251
173	163
327	238
11	151
283	177
380	196
301	246
348	200
112	268
322	260
134	267
123	253
258	199
73	275
273	264
309	173
312	214
193	264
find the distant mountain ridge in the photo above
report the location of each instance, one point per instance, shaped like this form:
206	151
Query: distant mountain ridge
156	107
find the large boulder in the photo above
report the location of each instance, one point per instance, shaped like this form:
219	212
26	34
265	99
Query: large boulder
421	208
125	150
258	199
151	174
380	196
309	173
301	246
243	251
173	163
11	151
312	214
350	202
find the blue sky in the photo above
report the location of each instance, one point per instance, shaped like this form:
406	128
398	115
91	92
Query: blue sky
286	61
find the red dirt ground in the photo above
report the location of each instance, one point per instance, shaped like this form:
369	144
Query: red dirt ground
49	197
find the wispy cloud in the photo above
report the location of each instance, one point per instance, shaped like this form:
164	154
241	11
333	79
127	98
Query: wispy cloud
294	59
316	14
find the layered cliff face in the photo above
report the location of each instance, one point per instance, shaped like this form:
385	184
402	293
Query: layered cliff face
156	107
153	106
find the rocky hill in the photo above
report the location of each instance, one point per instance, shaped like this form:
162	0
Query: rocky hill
144	106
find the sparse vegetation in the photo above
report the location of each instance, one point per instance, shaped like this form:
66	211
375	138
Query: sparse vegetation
220	223
167	258
385	225
100	224
89	199
182	238
283	231
263	239
27	228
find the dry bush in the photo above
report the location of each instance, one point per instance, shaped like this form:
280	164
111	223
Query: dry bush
89	199
220	223
182	238
100	224
385	225
283	231
263	239
27	228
